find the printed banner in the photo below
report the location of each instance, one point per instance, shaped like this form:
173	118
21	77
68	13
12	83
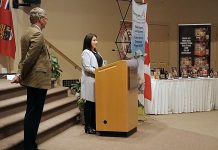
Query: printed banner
194	49
139	29
140	48
7	41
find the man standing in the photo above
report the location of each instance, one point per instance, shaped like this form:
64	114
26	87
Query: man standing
35	74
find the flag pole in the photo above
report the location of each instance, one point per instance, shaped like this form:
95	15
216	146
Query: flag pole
9	65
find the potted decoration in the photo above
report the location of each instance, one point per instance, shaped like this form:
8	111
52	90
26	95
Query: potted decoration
55	69
76	89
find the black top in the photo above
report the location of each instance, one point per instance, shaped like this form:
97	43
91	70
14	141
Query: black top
99	59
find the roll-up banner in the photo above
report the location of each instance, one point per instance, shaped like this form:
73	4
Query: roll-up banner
194	49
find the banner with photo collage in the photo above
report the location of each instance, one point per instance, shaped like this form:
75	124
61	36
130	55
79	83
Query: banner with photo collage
194	49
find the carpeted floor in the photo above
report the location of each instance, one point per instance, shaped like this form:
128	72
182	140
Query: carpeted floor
190	131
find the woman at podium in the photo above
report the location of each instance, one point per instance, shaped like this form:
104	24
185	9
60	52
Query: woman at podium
91	59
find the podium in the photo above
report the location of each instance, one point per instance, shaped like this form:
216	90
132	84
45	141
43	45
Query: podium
116	98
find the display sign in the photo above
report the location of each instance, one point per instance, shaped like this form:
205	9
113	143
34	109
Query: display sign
194	49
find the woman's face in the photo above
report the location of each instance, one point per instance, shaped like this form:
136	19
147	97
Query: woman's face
94	43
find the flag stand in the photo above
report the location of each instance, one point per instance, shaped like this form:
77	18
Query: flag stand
8	65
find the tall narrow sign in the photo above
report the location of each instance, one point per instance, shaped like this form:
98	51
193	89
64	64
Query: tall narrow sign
140	48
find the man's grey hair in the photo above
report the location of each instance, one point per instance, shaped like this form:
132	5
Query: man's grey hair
36	14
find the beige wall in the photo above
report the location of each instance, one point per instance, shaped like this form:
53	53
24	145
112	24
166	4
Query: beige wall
170	13
70	20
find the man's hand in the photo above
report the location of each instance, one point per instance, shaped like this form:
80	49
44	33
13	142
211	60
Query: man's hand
16	79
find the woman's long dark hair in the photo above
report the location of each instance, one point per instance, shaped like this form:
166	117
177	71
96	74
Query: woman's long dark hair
87	43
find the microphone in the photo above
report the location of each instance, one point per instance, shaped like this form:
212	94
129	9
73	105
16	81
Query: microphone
120	51
115	49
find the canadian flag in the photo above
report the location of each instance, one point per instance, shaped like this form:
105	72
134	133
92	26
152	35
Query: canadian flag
7	41
147	75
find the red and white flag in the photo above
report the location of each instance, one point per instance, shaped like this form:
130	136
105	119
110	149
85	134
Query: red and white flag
147	74
7	40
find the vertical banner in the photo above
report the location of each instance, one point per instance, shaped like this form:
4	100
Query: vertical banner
194	49
7	41
139	28
140	50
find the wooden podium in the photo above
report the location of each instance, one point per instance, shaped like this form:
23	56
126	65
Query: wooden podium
116	98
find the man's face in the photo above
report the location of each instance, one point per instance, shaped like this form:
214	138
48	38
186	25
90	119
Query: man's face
43	21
